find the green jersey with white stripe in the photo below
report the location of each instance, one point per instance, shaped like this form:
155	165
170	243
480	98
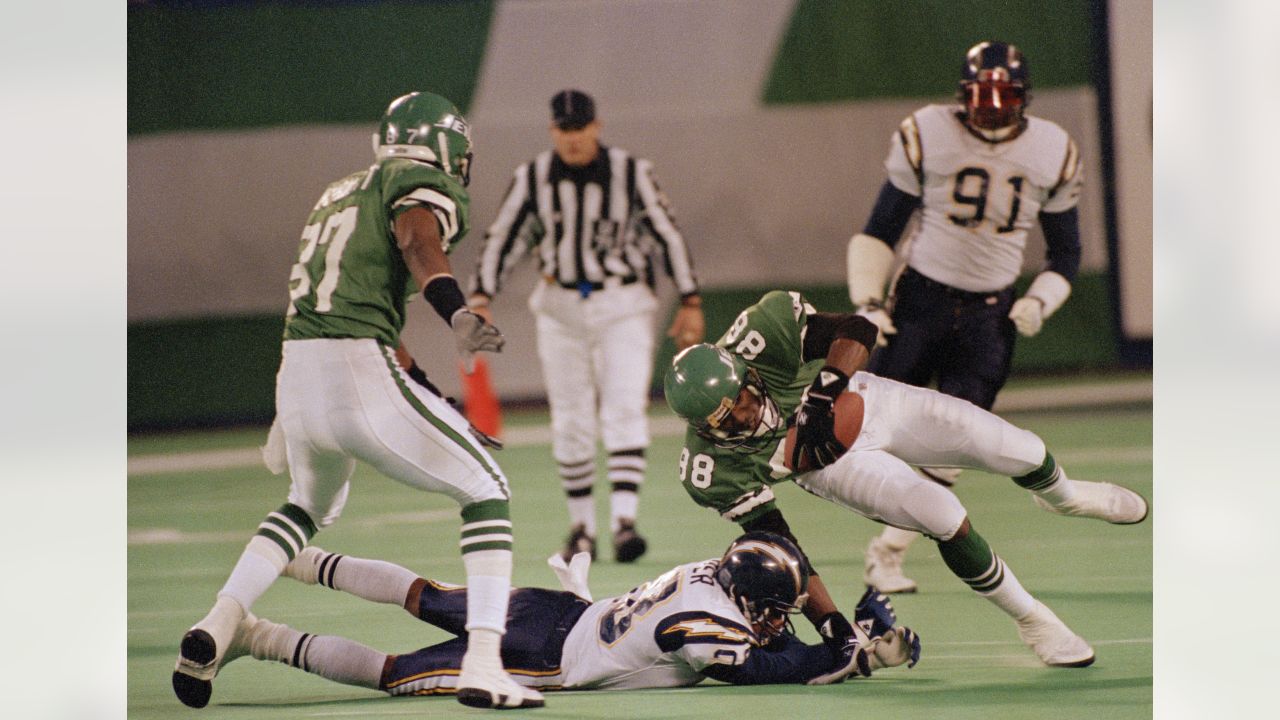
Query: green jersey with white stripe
737	482
351	280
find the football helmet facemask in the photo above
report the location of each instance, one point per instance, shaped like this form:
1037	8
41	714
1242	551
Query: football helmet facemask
424	126
767	577
704	385
995	89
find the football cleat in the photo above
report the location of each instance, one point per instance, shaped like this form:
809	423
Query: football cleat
484	684
305	568
1102	500
628	545
578	541
212	643
1051	639
882	568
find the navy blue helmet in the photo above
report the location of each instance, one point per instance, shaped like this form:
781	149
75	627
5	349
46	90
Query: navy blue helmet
767	576
995	88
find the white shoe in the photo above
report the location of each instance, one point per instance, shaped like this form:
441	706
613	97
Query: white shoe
882	568
1051	639
305	567
1103	501
210	644
484	684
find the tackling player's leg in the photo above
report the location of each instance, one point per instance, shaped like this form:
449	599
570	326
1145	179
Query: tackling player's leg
881	486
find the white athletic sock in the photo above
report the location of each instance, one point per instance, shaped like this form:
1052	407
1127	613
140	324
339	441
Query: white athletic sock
1009	595
484	646
342	660
273	641
623	505
582	511
336	658
896	538
259	565
488	589
375	580
1061	492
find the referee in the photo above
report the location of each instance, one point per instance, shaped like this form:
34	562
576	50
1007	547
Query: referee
597	222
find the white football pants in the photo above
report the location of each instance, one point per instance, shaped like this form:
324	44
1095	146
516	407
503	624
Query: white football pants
597	361
342	400
904	425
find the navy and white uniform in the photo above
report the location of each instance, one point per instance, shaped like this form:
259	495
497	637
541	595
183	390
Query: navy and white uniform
672	631
978	199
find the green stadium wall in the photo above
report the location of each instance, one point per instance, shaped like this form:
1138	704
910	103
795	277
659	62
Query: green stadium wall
221	371
770	143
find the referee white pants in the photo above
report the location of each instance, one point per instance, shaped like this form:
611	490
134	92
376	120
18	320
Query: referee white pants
342	400
904	425
597	361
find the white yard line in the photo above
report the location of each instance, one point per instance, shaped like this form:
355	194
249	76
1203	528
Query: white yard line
173	536
670	426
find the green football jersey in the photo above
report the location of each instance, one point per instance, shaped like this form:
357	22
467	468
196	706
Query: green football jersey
350	280
737	482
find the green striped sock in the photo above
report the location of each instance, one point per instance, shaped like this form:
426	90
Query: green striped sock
972	560
486	525
290	527
1042	477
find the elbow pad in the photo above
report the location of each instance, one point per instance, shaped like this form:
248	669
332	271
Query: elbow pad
1051	289
869	261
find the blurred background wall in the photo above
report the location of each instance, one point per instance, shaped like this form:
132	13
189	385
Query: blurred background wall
767	120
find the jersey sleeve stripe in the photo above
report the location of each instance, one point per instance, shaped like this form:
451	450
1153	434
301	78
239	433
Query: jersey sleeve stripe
746	504
442	205
677	254
1070	166
909	134
500	240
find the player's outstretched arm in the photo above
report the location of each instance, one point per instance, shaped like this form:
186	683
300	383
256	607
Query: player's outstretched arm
418	237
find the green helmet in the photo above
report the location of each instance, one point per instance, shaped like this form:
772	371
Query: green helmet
703	383
424	126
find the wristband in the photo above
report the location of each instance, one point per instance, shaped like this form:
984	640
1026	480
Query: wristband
445	296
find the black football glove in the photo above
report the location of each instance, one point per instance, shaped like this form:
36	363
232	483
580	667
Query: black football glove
816	439
416	374
835	630
853	660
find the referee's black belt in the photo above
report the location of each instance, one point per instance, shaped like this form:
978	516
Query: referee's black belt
911	276
587	286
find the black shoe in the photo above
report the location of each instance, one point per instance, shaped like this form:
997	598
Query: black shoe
579	541
628	546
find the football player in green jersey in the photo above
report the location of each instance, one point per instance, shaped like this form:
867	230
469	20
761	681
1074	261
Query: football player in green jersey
347	390
784	363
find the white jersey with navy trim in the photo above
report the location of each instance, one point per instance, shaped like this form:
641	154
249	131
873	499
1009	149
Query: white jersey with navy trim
979	198
660	634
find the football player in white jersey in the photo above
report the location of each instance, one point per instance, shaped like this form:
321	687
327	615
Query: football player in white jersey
725	618
980	173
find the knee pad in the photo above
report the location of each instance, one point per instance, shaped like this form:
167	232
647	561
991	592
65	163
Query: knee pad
936	510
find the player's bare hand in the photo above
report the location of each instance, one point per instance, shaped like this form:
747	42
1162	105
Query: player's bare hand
882	320
688	328
474	335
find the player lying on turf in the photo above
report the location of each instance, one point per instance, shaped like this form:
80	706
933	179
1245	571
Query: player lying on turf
854	439
724	618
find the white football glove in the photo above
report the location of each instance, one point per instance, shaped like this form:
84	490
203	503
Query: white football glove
1027	315
882	320
898	646
474	335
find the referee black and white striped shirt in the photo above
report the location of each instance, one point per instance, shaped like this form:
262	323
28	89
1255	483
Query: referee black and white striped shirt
603	223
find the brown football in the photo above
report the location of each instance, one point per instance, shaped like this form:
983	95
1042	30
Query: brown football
848	411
